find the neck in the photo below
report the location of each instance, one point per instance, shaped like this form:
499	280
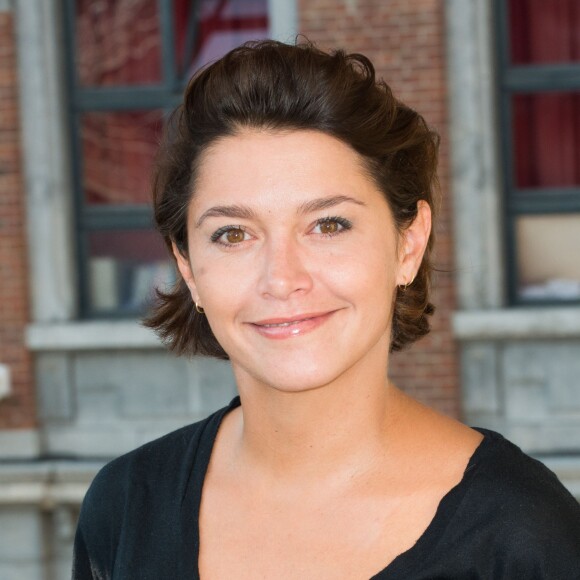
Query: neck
339	428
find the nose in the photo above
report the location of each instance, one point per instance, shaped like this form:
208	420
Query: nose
284	271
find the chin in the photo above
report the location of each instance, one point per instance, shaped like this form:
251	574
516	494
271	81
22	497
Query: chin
300	385
293	378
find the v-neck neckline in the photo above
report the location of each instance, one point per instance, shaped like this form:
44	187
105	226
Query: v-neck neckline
398	568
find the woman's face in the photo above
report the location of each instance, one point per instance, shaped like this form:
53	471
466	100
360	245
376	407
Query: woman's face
294	256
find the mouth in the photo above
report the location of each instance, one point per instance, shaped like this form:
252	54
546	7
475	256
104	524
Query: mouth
280	328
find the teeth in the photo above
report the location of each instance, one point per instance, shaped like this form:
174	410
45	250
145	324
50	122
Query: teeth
284	323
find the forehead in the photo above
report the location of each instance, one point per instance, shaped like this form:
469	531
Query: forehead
269	169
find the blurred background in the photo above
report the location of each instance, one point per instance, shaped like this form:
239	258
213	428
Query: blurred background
85	88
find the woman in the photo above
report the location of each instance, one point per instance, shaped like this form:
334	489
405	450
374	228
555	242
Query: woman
296	195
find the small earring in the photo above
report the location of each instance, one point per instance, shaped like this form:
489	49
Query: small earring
403	287
199	309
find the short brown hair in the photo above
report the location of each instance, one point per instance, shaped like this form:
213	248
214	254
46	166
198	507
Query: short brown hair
275	86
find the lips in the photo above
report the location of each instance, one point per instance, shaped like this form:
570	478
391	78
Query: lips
281	328
288	320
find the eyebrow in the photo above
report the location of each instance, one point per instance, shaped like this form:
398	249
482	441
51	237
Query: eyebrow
244	212
326	202
232	211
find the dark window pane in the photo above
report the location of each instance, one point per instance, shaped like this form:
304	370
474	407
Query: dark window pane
207	29
546	130
544	31
548	264
118	152
118	42
124	268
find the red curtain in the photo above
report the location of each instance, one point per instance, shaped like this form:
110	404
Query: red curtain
546	126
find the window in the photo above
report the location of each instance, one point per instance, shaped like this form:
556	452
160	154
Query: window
129	62
539	70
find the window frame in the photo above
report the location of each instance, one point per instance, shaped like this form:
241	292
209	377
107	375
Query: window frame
164	96
526	79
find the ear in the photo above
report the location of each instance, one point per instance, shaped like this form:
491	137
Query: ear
184	268
413	244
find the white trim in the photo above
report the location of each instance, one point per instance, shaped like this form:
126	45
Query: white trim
5	381
517	324
46	165
46	484
475	169
91	335
283	17
19	443
46	494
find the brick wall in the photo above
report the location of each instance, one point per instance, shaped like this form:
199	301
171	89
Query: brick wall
17	411
405	40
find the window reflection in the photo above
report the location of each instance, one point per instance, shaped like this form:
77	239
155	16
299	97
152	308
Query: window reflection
119	150
548	262
206	30
118	42
124	269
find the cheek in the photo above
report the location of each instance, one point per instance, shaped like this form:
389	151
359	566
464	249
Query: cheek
367	270
367	279
220	286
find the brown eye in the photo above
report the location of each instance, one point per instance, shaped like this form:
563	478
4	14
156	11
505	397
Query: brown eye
234	236
329	227
230	236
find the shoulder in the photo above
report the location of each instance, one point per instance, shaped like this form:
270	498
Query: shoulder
144	464
142	489
168	458
516	505
511	479
115	484
148	462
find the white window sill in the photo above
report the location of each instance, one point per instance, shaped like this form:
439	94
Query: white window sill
46	483
91	335
517	324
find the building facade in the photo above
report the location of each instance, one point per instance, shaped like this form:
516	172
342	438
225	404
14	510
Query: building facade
85	87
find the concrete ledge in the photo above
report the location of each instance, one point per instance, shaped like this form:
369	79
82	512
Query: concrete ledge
45	495
19	443
94	335
518	324
46	484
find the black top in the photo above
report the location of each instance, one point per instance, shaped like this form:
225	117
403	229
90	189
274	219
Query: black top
508	518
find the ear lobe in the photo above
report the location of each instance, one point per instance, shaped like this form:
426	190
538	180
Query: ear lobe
184	268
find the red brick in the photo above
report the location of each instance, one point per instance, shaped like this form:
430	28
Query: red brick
18	411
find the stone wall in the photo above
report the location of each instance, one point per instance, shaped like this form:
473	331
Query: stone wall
103	403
